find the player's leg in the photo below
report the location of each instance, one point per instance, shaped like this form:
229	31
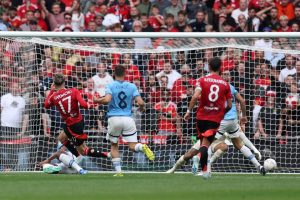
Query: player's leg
238	144
182	160
216	151
63	138
68	161
129	134
249	144
114	130
196	158
91	152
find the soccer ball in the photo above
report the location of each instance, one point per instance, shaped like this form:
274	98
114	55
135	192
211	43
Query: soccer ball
291	101
270	164
51	169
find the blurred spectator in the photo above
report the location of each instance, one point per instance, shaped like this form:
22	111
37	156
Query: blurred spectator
101	79
297	75
12	109
121	10
91	14
286	8
145	25
295	27
3	27
67	22
92	27
162	4
242	25
13	19
144	7
270	22
180	60
243	9
170	23
289	68
182	21
296	19
199	24
40	20
29	17
253	21
180	87
134	15
268	120
98	21
77	17
91	115
193	7
132	71
157	87
168	118
171	73
274	57
284	27
173	9
141	43
23	9
156	20
56	18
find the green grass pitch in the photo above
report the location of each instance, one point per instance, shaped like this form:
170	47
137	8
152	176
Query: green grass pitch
40	186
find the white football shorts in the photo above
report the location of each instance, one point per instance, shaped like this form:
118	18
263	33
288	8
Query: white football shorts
121	126
231	127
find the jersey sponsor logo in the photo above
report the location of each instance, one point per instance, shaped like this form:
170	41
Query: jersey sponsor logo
211	108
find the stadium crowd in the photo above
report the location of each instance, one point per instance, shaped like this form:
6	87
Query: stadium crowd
150	15
269	81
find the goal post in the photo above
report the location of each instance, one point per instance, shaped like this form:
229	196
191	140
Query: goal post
264	68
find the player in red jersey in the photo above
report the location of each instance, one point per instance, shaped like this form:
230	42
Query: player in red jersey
214	96
67	102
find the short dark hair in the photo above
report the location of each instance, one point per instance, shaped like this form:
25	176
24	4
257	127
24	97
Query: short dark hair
120	71
215	64
59	79
67	14
181	12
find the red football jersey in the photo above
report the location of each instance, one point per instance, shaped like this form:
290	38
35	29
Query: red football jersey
214	95
67	102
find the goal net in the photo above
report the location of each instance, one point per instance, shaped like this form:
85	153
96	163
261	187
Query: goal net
266	72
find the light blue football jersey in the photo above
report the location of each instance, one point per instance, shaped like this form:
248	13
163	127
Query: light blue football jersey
232	113
123	94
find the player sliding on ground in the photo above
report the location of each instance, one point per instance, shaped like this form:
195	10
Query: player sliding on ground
120	95
215	100
69	163
67	102
230	128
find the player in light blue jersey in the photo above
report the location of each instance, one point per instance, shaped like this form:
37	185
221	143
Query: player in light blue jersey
120	96
231	130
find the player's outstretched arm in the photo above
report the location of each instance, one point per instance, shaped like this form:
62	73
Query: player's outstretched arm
242	101
82	102
192	104
103	100
140	102
48	102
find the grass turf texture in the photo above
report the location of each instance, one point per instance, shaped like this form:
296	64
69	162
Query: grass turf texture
148	187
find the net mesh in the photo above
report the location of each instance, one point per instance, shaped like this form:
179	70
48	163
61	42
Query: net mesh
266	72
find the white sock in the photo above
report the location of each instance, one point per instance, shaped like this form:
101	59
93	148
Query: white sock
248	154
179	162
247	142
117	164
138	147
216	156
69	161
